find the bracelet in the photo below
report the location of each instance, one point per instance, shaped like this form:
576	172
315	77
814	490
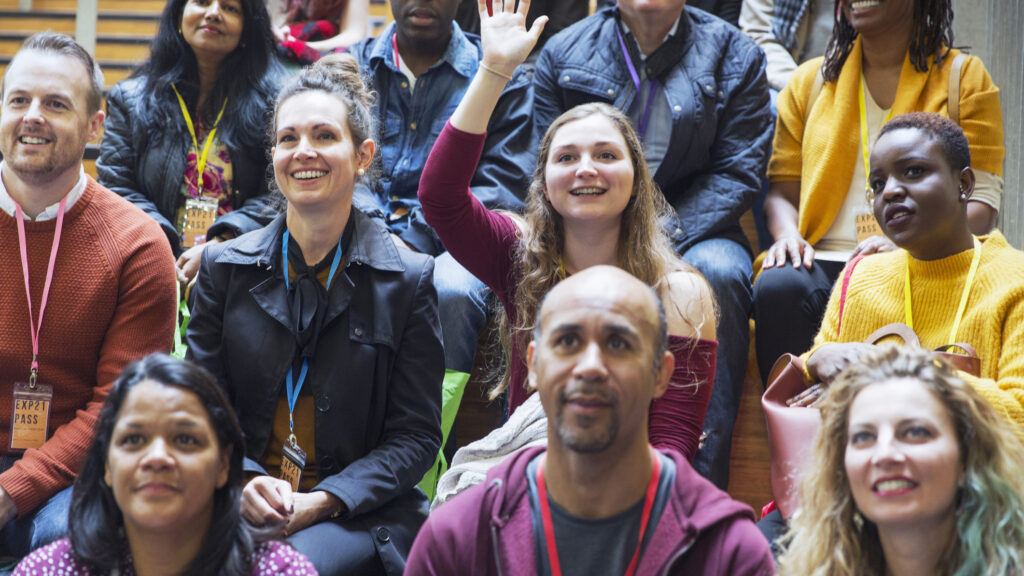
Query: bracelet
495	72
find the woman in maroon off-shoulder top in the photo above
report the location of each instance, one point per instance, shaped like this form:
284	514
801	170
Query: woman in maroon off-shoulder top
592	201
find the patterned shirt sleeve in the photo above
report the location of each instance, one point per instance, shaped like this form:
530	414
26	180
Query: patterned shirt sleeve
279	559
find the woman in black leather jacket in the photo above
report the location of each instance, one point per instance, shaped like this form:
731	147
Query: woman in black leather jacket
213	58
326	337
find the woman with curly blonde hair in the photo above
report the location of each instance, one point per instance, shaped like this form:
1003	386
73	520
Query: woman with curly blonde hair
592	202
914	473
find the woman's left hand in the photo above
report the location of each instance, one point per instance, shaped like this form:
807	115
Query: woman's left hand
187	265
873	245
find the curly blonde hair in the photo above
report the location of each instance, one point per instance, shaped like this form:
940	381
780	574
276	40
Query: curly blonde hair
644	248
824	538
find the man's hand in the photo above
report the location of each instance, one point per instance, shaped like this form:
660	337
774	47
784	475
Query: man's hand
828	361
8	511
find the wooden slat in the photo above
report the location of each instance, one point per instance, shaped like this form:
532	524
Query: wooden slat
121	51
749	476
155	6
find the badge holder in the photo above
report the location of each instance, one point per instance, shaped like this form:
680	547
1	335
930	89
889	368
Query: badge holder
200	213
867	225
293	462
31	415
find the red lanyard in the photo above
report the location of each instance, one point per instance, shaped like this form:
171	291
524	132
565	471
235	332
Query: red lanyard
549	528
394	44
46	286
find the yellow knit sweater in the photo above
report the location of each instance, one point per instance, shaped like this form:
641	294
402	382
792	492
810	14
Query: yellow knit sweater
823	156
993	321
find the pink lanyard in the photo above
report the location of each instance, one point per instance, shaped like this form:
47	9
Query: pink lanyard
549	528
46	286
394	45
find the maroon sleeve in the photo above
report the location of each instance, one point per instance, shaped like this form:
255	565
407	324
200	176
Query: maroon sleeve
482	241
677	417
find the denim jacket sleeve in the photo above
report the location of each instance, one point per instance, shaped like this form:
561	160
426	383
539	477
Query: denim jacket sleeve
411	437
505	168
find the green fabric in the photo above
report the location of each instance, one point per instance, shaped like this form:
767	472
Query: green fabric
179	331
452	387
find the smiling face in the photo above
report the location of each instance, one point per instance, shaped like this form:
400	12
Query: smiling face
593	360
45	123
917	195
902	456
212	28
164	461
589	171
876	16
424	21
315	160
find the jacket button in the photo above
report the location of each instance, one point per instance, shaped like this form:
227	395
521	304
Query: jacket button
412	125
323	403
611	92
383	535
565	78
678	108
721	94
358	332
708	87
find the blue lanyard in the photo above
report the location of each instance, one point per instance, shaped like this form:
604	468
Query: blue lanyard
291	388
642	129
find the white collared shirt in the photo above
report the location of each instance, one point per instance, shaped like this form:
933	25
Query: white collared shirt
8	205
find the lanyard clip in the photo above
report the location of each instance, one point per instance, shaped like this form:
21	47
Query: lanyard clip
293	441
32	377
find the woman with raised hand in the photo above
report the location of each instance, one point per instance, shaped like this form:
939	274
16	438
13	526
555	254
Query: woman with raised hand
185	136
913	473
327	339
592	202
159	491
883	59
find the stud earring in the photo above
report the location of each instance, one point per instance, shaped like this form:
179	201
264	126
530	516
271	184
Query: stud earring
361	171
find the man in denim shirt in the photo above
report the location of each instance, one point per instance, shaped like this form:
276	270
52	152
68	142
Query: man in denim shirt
420	67
696	91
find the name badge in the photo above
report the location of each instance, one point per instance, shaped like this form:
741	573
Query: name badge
867	226
293	461
200	213
30	420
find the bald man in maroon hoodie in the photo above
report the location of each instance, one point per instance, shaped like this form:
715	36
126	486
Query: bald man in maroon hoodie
599	499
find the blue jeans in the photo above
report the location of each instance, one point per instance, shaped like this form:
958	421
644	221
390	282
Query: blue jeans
462	306
37	528
726	266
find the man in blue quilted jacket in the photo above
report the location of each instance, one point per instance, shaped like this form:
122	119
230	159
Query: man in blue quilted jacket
695	88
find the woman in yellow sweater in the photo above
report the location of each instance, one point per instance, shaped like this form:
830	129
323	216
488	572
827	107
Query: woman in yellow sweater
883	59
947	284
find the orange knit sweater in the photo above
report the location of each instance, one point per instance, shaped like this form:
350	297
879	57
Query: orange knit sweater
112	301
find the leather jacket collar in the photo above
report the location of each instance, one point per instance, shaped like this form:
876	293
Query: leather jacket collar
371	245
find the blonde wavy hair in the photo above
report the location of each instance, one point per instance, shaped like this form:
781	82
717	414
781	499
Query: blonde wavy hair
644	248
825	539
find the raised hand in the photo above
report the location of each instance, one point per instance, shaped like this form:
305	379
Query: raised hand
506	41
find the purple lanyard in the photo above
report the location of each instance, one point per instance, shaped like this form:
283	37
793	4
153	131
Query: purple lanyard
642	129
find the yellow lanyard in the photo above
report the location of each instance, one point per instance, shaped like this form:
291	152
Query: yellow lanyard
864	137
192	132
975	260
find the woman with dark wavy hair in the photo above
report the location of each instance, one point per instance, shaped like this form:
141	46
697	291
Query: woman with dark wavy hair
160	488
186	137
592	202
883	59
914	473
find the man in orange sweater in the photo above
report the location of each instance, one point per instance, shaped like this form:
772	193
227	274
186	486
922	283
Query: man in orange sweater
86	286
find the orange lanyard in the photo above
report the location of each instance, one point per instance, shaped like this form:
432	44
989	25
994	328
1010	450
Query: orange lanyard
549	527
